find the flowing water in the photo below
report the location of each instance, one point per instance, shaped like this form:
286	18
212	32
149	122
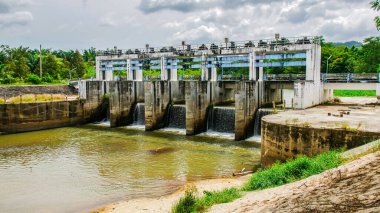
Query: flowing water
177	116
139	114
221	119
259	115
82	168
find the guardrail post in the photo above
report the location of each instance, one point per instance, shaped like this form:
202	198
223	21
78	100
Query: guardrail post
348	77
324	78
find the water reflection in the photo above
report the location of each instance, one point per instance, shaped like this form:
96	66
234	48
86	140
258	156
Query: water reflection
72	169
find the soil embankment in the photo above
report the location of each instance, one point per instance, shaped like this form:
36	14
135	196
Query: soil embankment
348	188
12	91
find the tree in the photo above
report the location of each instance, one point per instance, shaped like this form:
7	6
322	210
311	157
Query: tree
22	69
78	64
50	66
376	6
369	56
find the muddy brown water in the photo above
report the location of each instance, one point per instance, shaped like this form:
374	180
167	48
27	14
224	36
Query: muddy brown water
78	169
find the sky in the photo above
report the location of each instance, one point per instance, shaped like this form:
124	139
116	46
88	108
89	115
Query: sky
81	24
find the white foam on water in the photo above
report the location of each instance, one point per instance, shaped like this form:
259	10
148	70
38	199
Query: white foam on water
175	130
223	135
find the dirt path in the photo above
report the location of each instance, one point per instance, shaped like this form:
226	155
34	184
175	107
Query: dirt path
352	187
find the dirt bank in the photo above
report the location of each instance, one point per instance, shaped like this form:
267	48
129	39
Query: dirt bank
348	188
11	91
165	203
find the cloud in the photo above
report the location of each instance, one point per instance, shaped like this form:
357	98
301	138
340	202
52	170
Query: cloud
10	15
16	18
151	6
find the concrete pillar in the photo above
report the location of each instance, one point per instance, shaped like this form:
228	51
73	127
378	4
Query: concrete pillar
122	99
197	104
313	63
378	93
177	92
261	72
252	67
204	76
157	99
246	105
169	71
97	68
134	74
94	98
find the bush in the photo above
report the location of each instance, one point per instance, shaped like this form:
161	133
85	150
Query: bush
34	79
8	80
47	79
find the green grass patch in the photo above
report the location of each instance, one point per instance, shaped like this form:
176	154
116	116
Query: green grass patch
293	170
2	101
34	98
191	203
277	175
355	93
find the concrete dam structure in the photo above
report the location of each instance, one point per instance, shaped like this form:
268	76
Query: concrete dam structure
212	101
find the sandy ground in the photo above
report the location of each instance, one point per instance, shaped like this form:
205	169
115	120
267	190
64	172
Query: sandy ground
349	188
165	203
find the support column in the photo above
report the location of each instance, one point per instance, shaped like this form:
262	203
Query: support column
164	74
261	72
157	99
169	70
196	107
313	63
129	71
252	67
246	105
122	99
204	76
97	68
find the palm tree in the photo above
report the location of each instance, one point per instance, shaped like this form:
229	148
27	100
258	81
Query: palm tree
376	6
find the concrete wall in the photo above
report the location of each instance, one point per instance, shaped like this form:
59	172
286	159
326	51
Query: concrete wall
177	92
282	142
11	91
37	116
246	105
197	103
157	99
221	92
122	99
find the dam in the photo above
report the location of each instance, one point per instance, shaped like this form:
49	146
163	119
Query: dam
204	98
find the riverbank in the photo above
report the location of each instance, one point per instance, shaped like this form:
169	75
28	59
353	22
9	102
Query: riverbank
165	203
356	182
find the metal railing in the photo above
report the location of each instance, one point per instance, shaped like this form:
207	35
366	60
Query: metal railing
351	77
214	47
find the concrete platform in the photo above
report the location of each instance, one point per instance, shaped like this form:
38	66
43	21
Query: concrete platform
361	118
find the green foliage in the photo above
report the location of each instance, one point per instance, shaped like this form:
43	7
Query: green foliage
189	72
375	5
191	203
187	203
355	93
153	73
293	170
8	79
47	79
217	197
34	79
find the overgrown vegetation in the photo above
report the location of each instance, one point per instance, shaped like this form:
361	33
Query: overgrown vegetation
34	98
279	174
355	93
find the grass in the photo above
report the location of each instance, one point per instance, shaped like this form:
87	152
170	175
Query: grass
355	93
279	174
191	203
30	84
2	101
35	98
293	170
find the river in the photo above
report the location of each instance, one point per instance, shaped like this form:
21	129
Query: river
78	169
